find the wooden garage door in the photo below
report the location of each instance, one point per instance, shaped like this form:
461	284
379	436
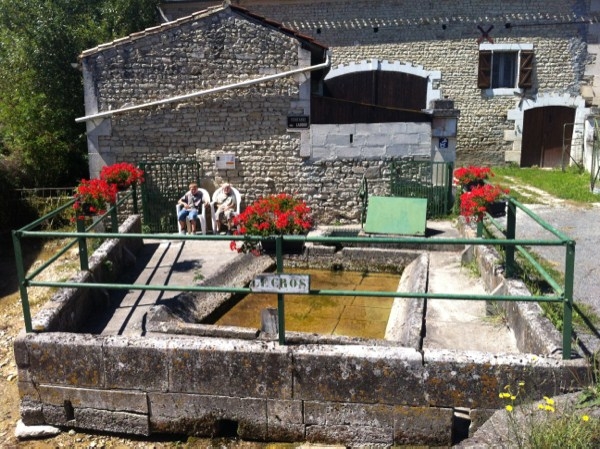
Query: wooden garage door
545	130
371	97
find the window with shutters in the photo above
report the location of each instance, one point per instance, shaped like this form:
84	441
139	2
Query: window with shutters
505	67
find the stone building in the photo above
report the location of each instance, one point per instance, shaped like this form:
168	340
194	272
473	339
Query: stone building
355	84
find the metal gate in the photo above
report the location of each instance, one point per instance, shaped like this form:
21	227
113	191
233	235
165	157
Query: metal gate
164	183
424	179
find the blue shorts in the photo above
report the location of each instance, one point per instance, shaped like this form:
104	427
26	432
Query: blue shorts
184	213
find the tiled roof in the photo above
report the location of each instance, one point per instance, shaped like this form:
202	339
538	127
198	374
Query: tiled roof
199	15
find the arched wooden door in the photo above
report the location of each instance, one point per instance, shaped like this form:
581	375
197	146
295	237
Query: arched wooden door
545	131
376	96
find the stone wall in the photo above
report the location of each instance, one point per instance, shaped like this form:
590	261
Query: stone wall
221	47
218	48
346	394
443	36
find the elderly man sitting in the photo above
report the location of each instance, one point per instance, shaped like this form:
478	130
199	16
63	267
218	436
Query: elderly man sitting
226	204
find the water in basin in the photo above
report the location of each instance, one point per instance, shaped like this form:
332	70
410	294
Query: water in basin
353	316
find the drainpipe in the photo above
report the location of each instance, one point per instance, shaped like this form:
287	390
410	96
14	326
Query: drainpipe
312	68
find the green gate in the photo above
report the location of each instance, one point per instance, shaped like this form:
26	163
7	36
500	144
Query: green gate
424	179
164	183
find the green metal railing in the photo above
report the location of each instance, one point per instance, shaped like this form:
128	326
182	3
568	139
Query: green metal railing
562	294
79	238
565	292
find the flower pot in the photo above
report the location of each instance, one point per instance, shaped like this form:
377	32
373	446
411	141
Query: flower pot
86	209
497	209
471	185
289	247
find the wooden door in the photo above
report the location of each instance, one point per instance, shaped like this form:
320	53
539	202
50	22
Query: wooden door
545	131
371	97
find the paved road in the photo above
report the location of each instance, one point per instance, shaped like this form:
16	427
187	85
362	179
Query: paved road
583	225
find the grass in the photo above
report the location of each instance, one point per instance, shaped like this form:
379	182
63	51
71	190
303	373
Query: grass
571	185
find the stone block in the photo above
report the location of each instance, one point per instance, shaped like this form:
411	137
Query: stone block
28	390
20	350
204	415
347	151
380	375
285	411
428	426
32	413
110	421
285	420
58	416
336	413
112	400
478	417
285	432
449	377
405	324
350	435
136	363
81	360
232	367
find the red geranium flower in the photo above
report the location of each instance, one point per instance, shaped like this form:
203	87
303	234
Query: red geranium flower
471	174
92	195
122	174
280	214
474	203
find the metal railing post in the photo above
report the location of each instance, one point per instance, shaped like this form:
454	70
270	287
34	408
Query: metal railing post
114	219
568	300
83	253
135	198
480	228
280	296
509	251
21	278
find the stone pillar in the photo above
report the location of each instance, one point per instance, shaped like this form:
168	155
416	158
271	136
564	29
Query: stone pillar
443	130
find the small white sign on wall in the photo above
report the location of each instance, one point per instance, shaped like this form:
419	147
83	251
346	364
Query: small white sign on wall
225	161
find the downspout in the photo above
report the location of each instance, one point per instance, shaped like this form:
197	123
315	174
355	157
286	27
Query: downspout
312	68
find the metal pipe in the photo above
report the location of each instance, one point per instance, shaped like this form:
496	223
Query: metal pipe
247	290
312	68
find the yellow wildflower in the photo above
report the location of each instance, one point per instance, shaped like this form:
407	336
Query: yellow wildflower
549	400
585	418
509	408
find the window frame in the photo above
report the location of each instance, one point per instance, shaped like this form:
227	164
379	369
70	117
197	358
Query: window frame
524	63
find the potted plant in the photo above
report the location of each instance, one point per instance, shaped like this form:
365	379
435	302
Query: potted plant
123	175
92	195
472	176
273	215
481	199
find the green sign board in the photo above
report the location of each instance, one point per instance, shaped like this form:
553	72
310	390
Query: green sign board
396	215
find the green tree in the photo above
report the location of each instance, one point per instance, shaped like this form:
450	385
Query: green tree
41	92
